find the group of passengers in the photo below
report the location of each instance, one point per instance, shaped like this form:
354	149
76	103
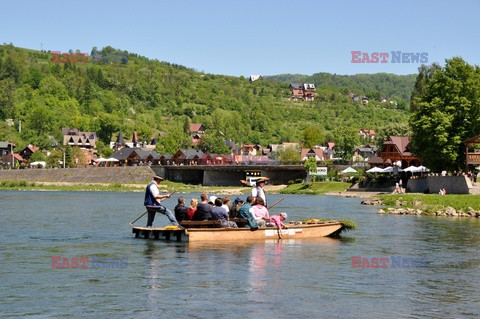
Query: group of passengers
213	208
254	210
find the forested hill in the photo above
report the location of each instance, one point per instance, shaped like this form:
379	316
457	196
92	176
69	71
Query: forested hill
160	99
385	85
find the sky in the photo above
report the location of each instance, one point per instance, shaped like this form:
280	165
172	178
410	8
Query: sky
262	37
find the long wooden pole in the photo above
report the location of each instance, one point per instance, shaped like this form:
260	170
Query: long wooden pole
275	204
147	210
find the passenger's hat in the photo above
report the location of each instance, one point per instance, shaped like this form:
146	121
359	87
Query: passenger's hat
212	199
238	200
158	178
284	215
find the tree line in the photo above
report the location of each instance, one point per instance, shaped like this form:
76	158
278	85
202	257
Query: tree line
158	99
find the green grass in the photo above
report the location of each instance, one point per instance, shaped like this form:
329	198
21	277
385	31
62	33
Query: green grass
431	203
315	188
115	187
347	223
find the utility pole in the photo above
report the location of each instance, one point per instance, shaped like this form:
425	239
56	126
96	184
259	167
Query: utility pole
13	157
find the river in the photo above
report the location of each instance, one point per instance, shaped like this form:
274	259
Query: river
281	279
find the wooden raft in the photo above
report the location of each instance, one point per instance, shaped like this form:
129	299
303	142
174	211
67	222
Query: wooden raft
159	233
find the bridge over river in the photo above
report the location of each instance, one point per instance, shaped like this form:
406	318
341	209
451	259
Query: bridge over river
229	175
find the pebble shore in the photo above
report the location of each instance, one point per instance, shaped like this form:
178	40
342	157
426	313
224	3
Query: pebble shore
399	210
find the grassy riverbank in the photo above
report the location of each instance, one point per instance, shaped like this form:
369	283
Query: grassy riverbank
315	188
431	203
118	187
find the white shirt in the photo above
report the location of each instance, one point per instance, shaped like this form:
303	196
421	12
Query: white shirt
155	192
226	208
259	192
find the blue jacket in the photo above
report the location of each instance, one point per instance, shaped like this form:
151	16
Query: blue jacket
244	213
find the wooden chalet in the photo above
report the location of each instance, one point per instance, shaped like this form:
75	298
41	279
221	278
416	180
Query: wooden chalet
28	151
472	154
136	156
74	137
164	159
187	157
196	128
395	148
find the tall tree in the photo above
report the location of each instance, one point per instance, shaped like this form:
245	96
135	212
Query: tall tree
346	139
289	155
446	112
313	135
392	129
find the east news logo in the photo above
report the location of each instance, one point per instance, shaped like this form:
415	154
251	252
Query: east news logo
382	57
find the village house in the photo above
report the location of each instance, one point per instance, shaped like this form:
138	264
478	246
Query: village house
28	151
254	78
394	149
364	153
12	161
330	150
367	134
120	142
73	137
6	150
302	91
274	148
86	141
357	98
196	129
251	149
196	132
232	146
318	153
6	147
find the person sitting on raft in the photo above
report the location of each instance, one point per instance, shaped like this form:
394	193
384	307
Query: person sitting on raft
260	212
204	210
180	210
278	221
244	212
235	207
218	212
192	209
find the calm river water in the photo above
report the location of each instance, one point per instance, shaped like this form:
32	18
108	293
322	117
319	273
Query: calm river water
281	279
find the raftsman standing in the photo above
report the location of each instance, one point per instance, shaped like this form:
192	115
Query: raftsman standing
153	202
259	191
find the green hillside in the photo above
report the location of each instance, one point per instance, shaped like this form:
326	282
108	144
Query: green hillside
154	97
382	85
